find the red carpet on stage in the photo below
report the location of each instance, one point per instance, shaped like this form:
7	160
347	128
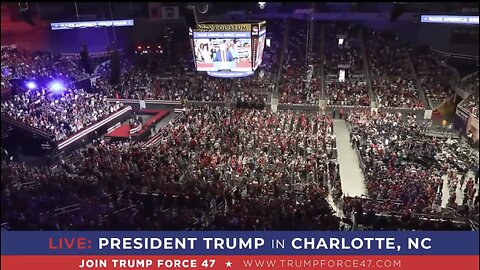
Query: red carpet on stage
124	130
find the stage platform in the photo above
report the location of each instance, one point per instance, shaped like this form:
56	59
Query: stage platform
123	130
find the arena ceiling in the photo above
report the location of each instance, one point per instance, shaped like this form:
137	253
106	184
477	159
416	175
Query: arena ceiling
99	10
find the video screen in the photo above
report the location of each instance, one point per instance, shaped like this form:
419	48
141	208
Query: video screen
260	48
228	49
217	54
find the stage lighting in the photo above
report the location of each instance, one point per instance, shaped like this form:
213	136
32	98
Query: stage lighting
31	85
6	71
261	5
56	87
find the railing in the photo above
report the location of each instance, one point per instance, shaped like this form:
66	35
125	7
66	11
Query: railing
425	217
474	225
91	128
468	77
456	55
76	56
119	211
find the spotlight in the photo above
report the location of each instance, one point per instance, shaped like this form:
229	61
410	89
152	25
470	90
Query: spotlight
261	5
6	71
56	87
31	85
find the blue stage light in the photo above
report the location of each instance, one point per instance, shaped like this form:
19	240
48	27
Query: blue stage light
57	87
31	85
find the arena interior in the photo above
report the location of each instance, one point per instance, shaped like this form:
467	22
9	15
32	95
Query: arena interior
356	116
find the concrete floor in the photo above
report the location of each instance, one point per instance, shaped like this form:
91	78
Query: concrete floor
353	181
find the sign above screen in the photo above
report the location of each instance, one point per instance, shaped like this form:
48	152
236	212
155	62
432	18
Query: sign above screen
222	35
90	24
449	19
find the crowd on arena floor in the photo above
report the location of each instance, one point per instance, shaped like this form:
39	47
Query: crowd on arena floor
214	168
236	169
403	167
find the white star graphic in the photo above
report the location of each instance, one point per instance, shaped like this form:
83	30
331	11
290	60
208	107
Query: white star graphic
229	264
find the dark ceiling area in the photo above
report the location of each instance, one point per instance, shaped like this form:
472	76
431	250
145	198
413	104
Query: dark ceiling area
107	10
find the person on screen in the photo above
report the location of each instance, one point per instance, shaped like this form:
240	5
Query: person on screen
223	55
206	54
246	47
233	50
198	52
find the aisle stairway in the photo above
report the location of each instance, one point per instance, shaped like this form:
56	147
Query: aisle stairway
420	90
371	94
281	60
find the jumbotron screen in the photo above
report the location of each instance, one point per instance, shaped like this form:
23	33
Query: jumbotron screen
228	47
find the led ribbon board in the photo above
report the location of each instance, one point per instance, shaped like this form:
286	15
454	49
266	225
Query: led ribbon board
90	24
449	19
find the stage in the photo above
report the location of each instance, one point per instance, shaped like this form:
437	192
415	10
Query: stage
123	131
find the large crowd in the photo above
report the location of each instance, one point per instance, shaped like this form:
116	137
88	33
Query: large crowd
403	167
434	78
174	78
58	114
215	168
347	56
392	76
293	86
19	63
236	169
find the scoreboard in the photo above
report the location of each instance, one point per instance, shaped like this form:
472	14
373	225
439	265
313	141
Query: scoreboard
228	49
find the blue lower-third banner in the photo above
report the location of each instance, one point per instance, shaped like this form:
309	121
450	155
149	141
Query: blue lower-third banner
239	250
